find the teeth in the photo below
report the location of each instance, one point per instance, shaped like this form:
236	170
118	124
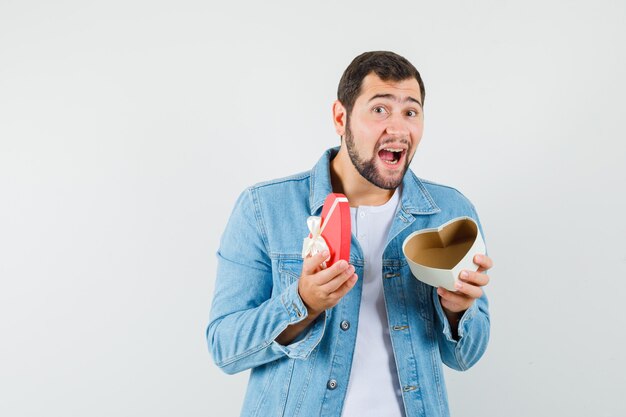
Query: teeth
393	150
392	162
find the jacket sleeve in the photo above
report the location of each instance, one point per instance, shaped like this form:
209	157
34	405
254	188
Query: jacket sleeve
247	313
473	330
473	333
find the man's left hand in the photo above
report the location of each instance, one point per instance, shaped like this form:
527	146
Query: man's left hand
468	288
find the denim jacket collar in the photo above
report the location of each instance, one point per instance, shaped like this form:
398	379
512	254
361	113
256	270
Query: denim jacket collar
415	198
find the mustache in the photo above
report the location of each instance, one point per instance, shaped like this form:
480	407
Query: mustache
403	141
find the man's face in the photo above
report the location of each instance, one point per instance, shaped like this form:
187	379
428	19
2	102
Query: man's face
384	129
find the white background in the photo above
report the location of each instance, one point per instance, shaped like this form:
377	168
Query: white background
128	128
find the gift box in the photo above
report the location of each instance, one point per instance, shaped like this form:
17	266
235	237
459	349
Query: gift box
437	256
332	231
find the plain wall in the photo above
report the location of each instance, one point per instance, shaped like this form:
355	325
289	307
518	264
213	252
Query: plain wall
128	128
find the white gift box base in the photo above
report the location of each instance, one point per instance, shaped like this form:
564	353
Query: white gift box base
437	256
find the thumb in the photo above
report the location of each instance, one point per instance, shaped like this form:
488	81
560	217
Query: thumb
313	263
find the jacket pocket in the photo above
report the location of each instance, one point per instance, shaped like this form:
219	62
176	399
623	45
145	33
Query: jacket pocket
420	293
289	271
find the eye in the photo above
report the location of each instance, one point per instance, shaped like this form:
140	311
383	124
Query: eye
379	110
411	113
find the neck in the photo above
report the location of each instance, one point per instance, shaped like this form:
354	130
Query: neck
348	181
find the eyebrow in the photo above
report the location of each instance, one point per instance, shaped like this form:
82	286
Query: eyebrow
395	98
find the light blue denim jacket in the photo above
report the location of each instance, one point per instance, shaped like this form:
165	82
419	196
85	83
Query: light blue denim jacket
256	298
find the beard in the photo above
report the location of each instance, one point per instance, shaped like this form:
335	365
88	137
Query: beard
367	167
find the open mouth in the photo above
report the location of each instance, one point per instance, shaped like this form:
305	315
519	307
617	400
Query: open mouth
391	156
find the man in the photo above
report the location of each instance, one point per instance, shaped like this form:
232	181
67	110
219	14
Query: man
363	338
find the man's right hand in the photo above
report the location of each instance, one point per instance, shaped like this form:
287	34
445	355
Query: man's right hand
320	288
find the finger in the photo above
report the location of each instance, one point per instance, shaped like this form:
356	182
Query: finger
325	276
475	278
312	264
454	301
345	287
483	261
337	281
468	290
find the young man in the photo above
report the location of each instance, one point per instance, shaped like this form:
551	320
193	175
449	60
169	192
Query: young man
363	338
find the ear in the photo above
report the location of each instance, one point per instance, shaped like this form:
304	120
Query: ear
339	118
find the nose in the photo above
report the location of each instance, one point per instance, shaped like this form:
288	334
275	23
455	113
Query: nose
397	127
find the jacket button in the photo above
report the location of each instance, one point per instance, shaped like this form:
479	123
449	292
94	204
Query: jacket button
332	384
345	325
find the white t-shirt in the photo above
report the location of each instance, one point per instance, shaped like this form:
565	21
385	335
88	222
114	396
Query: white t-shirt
373	388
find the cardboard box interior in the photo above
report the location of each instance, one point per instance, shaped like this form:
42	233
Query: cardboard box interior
443	249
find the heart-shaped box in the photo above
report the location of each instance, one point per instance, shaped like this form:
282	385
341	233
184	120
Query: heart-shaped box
437	256
336	228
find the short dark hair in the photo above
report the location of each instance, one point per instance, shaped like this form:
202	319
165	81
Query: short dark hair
387	65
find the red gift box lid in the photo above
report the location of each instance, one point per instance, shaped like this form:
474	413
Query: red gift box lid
336	229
